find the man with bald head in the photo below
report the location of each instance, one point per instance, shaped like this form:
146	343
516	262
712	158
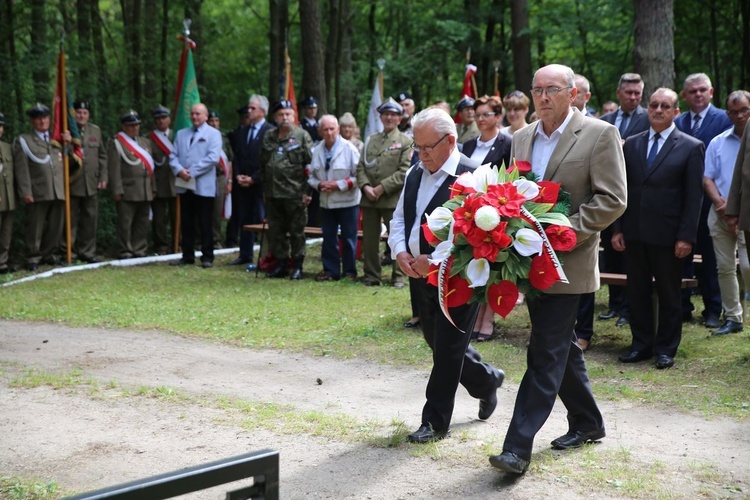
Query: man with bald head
585	157
193	161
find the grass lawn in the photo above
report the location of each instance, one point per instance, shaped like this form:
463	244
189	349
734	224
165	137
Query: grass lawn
347	320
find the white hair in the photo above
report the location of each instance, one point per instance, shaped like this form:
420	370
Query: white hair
262	102
438	119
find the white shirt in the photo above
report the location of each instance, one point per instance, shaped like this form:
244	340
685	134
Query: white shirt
43	135
545	145
428	186
721	155
482	150
662	138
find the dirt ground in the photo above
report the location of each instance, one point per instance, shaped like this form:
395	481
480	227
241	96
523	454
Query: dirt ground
83	441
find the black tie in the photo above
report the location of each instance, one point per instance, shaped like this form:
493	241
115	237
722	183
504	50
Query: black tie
624	124
653	152
192	138
251	134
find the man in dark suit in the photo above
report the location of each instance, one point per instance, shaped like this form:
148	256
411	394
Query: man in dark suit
658	229
454	360
630	119
704	122
248	189
585	157
235	141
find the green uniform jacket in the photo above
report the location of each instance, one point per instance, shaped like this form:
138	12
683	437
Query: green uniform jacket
283	163
43	179
94	169
7	188
131	181
465	133
385	161
163	175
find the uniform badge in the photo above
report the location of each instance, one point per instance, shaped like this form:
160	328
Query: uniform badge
395	145
280	150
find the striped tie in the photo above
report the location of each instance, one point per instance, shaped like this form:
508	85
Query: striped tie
696	124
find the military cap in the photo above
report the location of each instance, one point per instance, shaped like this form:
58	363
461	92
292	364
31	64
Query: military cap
402	96
243	111
213	114
466	102
38	110
130	118
160	111
310	102
391	106
282	104
2	119
81	105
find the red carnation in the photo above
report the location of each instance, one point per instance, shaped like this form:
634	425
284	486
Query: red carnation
543	273
524	167
562	238
429	235
463	216
502	297
548	192
487	244
506	198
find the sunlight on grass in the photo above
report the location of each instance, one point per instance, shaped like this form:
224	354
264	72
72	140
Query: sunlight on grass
347	320
17	488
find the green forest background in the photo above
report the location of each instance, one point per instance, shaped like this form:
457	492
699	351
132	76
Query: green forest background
124	54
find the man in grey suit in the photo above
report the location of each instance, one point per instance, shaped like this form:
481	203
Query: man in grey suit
658	230
196	153
585	157
630	119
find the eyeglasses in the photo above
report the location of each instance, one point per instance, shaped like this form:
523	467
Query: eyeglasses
427	149
735	112
551	91
252	108
484	115
662	105
516	93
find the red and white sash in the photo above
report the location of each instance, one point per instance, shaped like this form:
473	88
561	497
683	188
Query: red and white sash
162	142
223	163
140	153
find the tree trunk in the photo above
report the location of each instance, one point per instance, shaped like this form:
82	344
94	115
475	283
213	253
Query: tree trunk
521	44
279	16
40	60
313	79
151	77
332	50
131	19
163	78
85	80
345	78
490	53
653	47
745	61
97	40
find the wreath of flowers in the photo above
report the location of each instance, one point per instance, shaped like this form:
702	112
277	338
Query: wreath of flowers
497	236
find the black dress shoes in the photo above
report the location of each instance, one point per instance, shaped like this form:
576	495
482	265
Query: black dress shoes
426	434
509	462
487	406
90	260
607	315
7	269
239	261
576	439
712	321
663	361
32	266
182	262
622	321
296	274
635	356
729	326
207	264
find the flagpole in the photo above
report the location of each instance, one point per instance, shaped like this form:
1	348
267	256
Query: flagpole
497	69
381	65
180	75
473	80
66	164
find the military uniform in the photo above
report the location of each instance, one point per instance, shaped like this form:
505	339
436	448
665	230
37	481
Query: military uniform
466	132
221	189
163	204
8	203
131	179
84	199
384	162
282	170
39	174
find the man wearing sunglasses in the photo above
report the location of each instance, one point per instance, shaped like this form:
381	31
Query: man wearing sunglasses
659	227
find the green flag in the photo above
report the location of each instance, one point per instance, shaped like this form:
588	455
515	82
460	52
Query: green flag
187	91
